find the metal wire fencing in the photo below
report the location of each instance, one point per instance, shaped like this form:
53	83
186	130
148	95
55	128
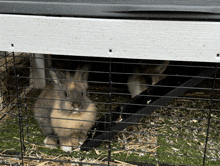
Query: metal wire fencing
73	110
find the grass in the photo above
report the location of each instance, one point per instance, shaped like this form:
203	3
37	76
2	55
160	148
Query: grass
170	135
183	141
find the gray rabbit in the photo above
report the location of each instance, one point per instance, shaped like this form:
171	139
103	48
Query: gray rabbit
138	82
64	111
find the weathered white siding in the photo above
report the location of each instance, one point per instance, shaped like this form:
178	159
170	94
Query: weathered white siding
144	39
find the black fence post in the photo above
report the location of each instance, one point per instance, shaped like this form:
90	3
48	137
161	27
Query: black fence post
16	75
210	111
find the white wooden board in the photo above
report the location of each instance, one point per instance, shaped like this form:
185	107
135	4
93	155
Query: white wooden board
141	39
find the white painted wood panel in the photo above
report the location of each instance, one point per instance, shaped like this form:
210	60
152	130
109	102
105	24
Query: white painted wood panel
143	39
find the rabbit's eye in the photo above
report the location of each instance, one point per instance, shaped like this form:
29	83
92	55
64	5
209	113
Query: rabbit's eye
65	93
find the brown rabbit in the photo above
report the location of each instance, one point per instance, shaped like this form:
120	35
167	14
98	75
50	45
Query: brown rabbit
72	113
137	83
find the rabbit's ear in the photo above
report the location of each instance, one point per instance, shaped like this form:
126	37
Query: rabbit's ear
85	73
68	75
57	77
82	74
161	68
154	69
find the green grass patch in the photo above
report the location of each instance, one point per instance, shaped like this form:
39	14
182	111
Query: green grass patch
175	134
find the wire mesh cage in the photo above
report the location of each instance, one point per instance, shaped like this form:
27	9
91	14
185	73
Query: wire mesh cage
108	111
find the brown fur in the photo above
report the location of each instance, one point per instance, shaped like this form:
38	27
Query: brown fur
73	126
42	109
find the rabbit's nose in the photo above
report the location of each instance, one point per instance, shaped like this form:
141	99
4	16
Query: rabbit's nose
75	106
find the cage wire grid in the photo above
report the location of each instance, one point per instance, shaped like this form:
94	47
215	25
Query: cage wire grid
174	121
